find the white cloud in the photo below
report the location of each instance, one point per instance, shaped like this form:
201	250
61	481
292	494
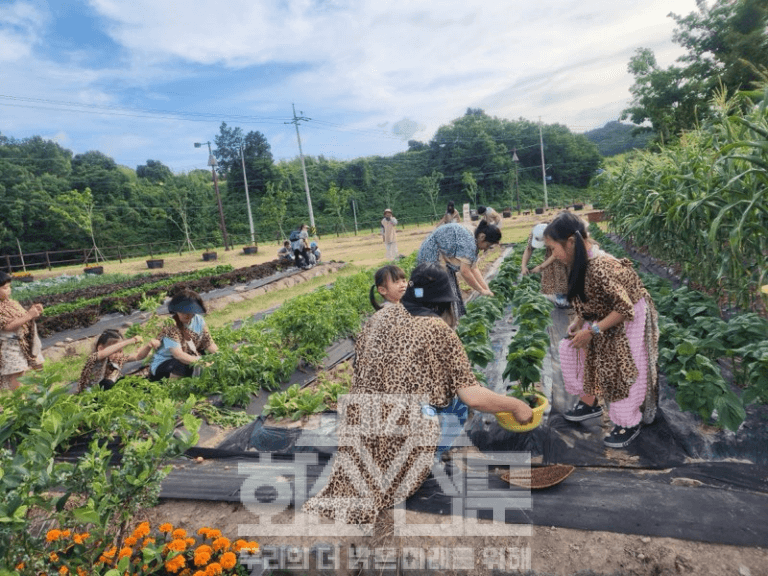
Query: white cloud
354	64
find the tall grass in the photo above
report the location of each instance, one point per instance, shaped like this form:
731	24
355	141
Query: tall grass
703	202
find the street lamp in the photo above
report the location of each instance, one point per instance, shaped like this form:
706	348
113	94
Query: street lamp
212	164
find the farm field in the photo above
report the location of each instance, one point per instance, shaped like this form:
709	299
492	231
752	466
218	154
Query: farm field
629	553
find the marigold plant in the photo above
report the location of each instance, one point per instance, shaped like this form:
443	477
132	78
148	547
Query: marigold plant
165	551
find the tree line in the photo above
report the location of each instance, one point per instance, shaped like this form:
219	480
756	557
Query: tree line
54	200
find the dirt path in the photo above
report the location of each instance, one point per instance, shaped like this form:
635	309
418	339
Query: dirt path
546	550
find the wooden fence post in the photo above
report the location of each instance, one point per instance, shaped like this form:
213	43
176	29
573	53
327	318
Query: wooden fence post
47	260
119	255
8	263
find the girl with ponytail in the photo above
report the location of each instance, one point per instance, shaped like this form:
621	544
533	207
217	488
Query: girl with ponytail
612	346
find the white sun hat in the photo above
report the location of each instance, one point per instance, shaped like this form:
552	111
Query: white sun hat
538	236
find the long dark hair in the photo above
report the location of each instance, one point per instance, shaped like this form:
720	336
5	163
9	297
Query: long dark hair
560	229
106	337
390	273
492	233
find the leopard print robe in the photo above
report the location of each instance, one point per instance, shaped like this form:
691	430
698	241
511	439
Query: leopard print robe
95	370
199	342
386	444
609	370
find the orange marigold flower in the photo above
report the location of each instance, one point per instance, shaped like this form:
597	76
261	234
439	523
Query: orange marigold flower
213	534
145	567
53	535
213	569
238	545
66	533
127	551
251	547
177	545
190	541
199	573
141	530
81	571
185	572
111	552
53	557
165	527
63	570
20	566
80	538
228	560
203	532
202	558
179	533
130	541
221	544
175	564
147	542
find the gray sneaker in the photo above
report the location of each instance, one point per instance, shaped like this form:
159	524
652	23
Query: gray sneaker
583	412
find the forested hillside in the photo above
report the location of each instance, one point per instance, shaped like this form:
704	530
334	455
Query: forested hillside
53	200
616	138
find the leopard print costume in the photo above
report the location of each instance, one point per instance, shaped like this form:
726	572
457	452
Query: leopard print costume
554	278
386	443
609	370
200	341
95	370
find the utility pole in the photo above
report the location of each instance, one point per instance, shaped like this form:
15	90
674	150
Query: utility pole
295	122
212	164
516	160
543	167
247	198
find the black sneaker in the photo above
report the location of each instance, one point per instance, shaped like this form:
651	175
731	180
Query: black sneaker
583	412
621	436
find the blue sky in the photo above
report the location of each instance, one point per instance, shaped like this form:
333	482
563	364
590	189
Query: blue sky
145	79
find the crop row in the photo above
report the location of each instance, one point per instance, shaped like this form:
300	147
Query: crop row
85	312
693	338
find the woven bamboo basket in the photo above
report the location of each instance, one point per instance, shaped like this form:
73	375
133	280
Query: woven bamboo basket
538	477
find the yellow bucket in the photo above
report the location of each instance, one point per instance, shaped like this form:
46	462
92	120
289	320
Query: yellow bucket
506	420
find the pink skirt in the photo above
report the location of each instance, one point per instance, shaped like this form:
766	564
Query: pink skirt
624	412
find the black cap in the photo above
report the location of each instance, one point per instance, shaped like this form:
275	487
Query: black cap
185	306
429	283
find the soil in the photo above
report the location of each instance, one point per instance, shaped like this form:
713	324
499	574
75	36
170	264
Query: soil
89	315
555	551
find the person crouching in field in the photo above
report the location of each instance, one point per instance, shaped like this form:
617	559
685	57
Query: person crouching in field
103	366
285	254
183	344
19	343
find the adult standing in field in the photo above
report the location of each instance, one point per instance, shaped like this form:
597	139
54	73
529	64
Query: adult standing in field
554	274
19	343
456	249
410	368
389	234
451	215
612	347
489	215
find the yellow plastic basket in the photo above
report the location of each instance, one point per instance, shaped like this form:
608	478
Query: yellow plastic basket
506	420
